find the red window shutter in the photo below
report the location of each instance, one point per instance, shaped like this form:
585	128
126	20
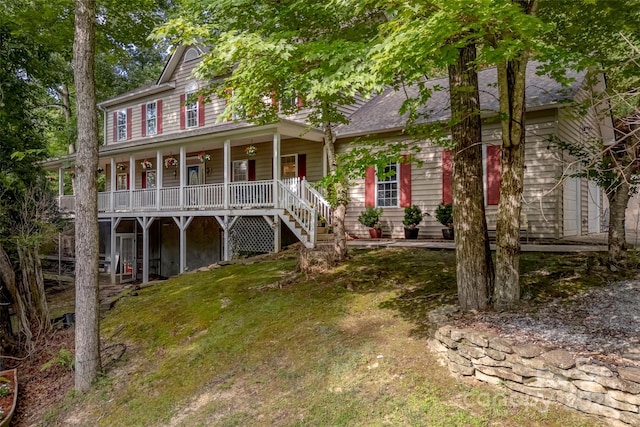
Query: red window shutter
200	111
493	174
128	181
405	183
252	170
300	101
144	179
159	113
183	111
447	171
143	111
302	166
370	187
115	126
129	114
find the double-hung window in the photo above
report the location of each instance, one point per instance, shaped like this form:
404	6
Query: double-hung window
191	106
240	170
122	125
387	187
152	118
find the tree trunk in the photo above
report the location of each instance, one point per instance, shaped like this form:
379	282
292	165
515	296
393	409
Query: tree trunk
87	308
511	83
473	258
8	277
618	200
511	86
340	210
33	288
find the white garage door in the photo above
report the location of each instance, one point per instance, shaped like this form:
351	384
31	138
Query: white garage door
571	203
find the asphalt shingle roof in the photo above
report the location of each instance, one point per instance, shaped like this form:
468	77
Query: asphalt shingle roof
381	112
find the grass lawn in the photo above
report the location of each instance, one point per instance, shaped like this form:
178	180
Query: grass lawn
254	345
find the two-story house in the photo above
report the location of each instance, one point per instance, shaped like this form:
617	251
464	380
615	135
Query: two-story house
186	187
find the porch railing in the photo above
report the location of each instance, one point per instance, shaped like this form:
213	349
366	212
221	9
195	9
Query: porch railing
316	200
300	210
254	194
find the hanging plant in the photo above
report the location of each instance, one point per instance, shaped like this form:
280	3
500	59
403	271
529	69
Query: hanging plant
170	162
202	156
146	164
251	150
121	166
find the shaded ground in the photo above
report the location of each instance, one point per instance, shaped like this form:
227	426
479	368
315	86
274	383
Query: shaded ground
257	345
603	320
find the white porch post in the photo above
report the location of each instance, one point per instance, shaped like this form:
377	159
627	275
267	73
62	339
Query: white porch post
226	168
182	170
183	222
112	196
60	181
277	244
145	223
113	266
324	160
276	168
159	167
132	179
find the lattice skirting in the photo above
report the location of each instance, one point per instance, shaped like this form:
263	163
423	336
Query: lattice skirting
251	235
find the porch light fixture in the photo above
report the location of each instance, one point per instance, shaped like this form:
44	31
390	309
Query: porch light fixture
251	150
170	162
146	164
203	157
121	166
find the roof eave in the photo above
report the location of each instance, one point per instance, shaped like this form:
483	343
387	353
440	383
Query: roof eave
137	95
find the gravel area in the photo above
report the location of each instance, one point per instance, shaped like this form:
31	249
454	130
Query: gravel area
602	321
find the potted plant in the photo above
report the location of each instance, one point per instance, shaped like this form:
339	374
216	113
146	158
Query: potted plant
371	218
8	396
251	150
412	217
170	162
203	157
444	215
146	164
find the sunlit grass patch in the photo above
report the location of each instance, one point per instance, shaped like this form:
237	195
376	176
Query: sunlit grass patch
235	347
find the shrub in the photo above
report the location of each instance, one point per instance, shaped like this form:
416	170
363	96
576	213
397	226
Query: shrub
371	217
412	216
444	215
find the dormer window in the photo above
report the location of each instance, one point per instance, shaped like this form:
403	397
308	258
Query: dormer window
191	55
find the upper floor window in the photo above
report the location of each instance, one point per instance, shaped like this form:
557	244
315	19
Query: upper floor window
191	107
191	55
152	118
387	187
122	125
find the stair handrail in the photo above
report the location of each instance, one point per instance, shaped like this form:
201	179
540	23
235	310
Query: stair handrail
317	200
304	214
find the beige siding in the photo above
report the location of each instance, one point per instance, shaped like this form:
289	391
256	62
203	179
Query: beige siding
213	171
540	205
579	129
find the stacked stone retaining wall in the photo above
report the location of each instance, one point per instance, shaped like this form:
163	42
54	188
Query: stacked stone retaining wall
552	374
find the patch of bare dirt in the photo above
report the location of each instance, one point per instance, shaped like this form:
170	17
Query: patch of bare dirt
38	388
599	321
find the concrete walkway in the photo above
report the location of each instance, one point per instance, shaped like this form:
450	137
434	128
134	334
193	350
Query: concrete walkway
596	242
434	244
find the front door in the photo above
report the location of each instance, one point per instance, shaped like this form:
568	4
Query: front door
126	257
194	175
